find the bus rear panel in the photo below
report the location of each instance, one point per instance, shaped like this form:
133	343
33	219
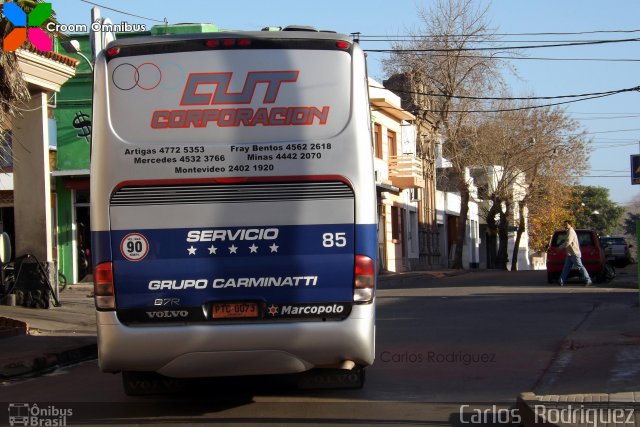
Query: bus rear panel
233	204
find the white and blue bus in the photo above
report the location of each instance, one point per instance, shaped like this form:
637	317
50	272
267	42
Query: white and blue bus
233	205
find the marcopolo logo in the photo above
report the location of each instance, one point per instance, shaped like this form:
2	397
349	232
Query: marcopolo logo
26	27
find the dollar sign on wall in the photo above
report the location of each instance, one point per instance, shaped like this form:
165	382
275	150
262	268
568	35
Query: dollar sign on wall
82	123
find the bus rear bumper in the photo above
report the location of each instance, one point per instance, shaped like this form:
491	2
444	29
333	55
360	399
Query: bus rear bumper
210	350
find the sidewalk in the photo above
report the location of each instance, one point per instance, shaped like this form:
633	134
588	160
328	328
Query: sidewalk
594	379
596	370
47	339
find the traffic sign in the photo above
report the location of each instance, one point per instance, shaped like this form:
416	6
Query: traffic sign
635	169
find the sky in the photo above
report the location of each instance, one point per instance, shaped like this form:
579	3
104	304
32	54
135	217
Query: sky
613	122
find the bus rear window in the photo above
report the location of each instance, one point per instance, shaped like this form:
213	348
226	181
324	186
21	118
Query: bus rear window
217	96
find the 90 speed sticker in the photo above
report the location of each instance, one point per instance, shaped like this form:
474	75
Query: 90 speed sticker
134	247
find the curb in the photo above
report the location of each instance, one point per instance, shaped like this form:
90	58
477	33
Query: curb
573	409
12	328
431	274
524	404
48	362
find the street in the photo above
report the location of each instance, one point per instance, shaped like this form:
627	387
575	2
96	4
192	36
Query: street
477	339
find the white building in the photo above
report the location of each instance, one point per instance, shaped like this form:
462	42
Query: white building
448	208
488	178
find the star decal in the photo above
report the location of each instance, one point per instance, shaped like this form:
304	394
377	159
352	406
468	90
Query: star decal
274	248
212	250
273	310
253	248
192	250
233	249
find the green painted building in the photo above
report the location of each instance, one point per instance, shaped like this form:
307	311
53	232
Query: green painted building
72	156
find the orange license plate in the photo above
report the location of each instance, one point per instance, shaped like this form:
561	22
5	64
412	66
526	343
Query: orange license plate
235	310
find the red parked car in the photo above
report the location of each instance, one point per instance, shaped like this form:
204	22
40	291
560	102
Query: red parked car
593	257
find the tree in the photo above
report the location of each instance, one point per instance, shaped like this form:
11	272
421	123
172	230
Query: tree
445	79
546	216
526	153
629	225
556	154
13	89
593	209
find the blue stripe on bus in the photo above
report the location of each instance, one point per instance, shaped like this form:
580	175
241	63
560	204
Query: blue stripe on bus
365	244
367	240
288	279
302	263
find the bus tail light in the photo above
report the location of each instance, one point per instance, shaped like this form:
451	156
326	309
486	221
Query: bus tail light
229	42
103	289
113	51
365	278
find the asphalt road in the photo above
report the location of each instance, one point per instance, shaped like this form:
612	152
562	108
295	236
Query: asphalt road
478	339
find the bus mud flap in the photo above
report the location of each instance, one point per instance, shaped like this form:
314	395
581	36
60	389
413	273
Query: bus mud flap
330	378
150	383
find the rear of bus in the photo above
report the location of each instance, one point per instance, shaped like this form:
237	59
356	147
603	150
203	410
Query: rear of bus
233	204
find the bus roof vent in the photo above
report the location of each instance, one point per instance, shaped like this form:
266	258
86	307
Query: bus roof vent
299	28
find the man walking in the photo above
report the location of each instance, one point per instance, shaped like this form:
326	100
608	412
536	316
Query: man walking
573	255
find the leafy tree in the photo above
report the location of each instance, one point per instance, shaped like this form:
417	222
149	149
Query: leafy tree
629	224
593	209
13	89
547	215
527	154
631	215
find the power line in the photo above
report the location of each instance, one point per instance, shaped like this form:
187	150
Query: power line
607	118
530	107
600	112
489	98
537	58
614	131
517	34
617	140
601	147
465	49
414	39
602	176
125	13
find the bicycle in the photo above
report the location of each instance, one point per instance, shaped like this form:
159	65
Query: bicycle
10	279
62	281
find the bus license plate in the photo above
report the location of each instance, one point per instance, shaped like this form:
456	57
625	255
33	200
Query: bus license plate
235	310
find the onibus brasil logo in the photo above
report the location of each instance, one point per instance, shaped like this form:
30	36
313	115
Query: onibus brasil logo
26	27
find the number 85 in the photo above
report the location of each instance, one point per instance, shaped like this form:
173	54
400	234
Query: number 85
330	240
